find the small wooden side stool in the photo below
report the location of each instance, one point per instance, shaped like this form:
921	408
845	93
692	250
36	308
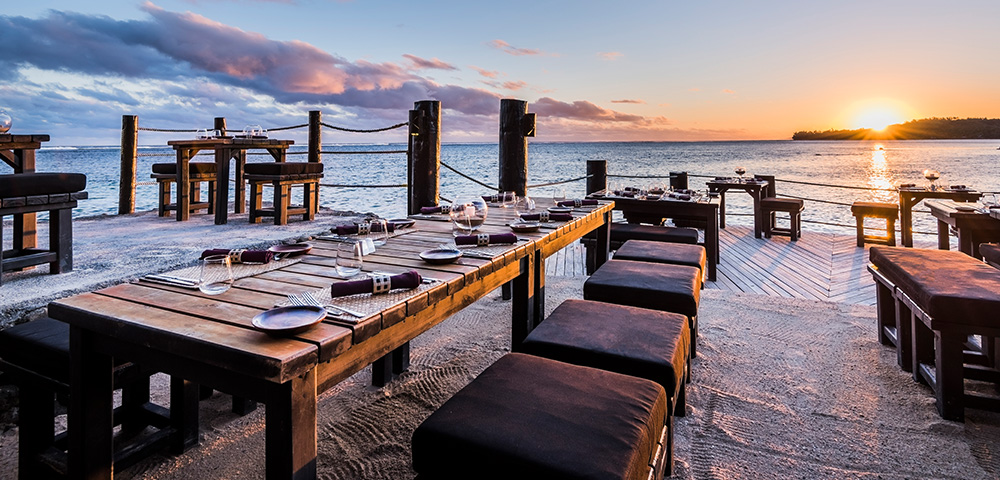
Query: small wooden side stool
165	175
282	176
888	211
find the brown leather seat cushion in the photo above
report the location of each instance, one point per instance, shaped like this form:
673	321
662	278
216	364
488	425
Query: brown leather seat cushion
28	184
990	252
782	204
193	168
949	285
283	168
663	252
532	417
41	345
633	341
668	288
623	232
875	209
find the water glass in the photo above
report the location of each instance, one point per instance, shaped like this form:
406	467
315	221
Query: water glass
216	274
508	199
558	195
379	231
349	258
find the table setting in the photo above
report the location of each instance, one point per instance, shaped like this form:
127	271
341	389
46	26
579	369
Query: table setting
218	268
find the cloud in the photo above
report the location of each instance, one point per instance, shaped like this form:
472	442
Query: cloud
424	64
610	56
582	110
486	73
728	91
633	101
511	50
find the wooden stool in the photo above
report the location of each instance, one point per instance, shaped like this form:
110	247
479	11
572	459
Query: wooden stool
623	232
532	417
628	340
771	204
888	211
667	288
165	175
664	252
282	176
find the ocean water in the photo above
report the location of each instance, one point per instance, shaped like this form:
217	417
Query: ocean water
871	165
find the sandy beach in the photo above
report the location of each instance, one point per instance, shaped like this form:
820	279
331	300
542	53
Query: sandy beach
782	388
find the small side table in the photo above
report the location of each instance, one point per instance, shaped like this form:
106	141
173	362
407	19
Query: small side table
755	188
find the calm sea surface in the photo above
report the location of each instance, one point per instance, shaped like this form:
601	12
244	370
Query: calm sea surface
861	164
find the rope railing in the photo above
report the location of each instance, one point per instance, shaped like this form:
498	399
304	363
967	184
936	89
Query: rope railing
814	184
647	176
166	130
355	130
345	185
473	180
873	227
560	182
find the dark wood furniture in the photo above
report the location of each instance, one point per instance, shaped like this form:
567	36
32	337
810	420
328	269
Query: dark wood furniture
909	197
972	225
770	204
165	175
18	151
887	211
939	298
22	195
282	177
226	149
752	186
632	341
664	252
209	339
530	417
706	210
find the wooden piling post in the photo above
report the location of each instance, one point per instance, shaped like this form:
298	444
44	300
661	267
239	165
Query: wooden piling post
597	175
425	156
516	125
129	154
315	136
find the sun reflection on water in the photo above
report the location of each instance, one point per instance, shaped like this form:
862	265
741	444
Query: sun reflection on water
879	176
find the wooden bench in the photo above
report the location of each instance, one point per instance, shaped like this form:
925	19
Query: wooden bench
939	299
623	232
888	211
990	253
665	252
771	204
36	356
532	417
56	193
282	176
628	340
165	175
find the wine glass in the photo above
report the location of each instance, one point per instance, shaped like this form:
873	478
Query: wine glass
507	200
741	171
379	231
988	200
524	206
558	195
5	122
468	215
216	274
350	257
932	175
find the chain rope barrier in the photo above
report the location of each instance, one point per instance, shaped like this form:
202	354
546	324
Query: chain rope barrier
354	130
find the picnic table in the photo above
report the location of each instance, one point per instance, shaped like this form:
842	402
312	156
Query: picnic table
209	340
972	223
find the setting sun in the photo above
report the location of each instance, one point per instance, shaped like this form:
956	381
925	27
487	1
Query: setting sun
878	114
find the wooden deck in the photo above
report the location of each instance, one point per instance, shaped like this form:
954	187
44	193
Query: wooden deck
819	266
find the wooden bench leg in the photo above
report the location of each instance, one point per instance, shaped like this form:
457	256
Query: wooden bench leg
256	192
36	428
211	197
890	232
905	340
795	219
860	226
164	197
886	307
61	240
921	347
949	376
183	414
281	195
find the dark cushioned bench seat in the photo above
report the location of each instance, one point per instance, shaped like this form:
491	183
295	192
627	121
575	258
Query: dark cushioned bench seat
990	253
940	298
165	175
283	168
623	232
632	341
532	417
668	288
663	252
30	184
194	168
282	176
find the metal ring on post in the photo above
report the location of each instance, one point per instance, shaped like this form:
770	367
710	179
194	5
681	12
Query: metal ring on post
381	283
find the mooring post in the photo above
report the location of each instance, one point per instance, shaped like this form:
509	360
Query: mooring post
129	152
425	156
516	125
315	136
597	175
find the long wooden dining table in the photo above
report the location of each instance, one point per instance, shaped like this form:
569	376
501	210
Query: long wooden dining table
209	340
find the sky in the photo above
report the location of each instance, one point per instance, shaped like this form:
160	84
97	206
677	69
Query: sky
629	70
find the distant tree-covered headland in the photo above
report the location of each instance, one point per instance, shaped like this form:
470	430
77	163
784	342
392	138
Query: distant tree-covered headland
925	129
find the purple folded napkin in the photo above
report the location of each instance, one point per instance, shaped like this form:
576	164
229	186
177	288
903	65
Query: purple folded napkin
493	198
352	229
680	196
907	185
484	239
623	194
577	203
376	284
437	209
546	217
240	255
959	187
684	191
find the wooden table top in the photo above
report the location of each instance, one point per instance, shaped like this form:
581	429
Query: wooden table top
217	329
231	141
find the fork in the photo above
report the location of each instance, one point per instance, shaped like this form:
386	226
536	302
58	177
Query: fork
307	299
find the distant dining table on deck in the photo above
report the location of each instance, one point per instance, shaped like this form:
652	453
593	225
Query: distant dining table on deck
972	223
226	149
701	208
209	340
911	196
754	187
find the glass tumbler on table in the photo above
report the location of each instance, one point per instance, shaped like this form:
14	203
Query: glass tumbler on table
216	274
350	258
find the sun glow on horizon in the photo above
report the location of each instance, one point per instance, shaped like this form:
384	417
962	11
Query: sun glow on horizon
878	114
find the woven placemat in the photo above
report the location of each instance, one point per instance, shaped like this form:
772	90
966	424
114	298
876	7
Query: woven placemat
334	237
240	270
365	303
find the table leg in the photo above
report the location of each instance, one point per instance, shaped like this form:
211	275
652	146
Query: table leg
522	303
25	225
944	242
240	189
290	431
221	186
603	245
538	307
90	411
758	216
966	243
183	184
712	244
906	220
722	209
